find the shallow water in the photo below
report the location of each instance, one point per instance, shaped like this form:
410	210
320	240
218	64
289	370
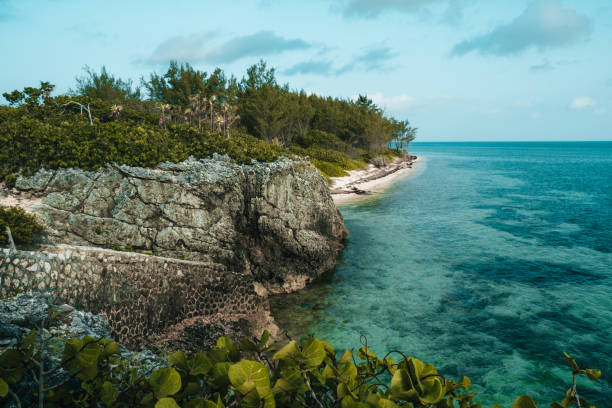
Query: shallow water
490	261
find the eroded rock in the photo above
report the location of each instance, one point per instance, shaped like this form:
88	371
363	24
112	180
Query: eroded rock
276	221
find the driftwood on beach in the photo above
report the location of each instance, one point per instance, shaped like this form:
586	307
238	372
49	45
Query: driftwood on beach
374	174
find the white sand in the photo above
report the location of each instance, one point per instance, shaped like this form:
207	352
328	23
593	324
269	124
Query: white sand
374	188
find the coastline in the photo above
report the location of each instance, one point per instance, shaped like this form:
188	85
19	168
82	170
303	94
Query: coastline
368	184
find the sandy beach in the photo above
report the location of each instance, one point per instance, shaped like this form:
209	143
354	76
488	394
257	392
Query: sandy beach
367	184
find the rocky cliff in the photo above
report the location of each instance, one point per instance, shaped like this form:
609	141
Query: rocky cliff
273	221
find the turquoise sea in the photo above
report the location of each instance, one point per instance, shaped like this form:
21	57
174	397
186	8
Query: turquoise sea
490	261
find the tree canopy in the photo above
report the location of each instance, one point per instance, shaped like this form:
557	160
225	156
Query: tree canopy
185	111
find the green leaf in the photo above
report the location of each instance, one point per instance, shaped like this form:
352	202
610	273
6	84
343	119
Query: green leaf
313	354
225	343
328	347
246	375
167	403
218	355
347	357
283	385
165	382
81	357
11	358
219	374
571	362
349	402
178	359
198	403
347	372
385	403
433	391
108	394
592	374
265	336
210	404
364	353
401	386
524	401
269	401
192	388
291	381
569	399
199	364
328	372
248	345
112	348
148	399
4	388
290	350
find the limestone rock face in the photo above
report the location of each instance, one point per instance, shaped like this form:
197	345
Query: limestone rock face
275	221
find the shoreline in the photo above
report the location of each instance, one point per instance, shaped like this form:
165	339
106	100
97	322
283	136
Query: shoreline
368	184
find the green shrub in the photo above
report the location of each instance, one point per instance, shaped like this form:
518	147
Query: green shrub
24	227
10	180
249	374
329	169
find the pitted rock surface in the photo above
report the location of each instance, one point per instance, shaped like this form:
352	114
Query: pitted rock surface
147	300
275	221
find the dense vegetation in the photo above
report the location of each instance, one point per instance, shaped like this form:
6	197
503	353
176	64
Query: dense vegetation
189	113
24	227
91	372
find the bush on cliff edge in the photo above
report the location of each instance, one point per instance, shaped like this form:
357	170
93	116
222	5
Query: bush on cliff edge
24	227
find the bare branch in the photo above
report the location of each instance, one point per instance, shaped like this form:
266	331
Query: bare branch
16	397
312	393
83	107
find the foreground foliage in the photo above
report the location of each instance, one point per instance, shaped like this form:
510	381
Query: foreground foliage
92	373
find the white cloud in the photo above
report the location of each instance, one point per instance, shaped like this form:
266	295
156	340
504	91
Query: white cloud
544	24
372	9
583	103
200	47
394	102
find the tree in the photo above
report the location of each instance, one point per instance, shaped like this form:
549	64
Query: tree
105	86
228	117
14	98
403	134
263	112
258	76
177	85
30	95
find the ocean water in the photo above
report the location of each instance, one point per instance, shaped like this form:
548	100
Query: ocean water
490	261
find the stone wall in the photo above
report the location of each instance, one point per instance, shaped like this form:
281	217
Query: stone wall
146	299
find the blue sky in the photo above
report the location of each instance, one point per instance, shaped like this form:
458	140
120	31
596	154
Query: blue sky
467	70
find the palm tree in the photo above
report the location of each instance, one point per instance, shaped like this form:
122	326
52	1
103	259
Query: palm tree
163	109
116	111
211	104
229	117
197	104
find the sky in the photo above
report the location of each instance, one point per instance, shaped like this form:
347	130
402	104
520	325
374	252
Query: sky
458	70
